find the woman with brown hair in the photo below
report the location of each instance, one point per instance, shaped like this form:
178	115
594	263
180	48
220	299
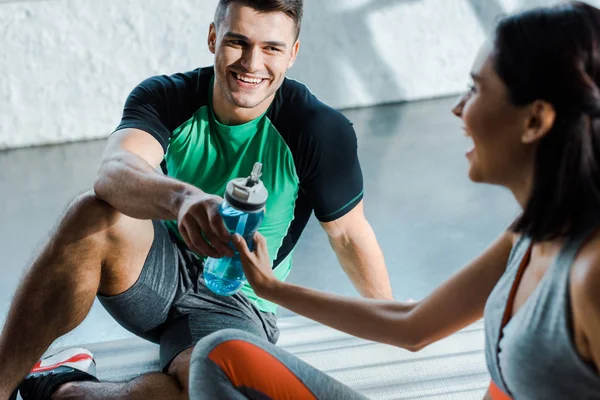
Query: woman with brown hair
533	114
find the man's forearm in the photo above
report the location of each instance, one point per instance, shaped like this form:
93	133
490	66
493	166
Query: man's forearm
132	186
363	261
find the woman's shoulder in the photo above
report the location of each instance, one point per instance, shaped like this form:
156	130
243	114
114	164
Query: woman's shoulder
585	299
585	273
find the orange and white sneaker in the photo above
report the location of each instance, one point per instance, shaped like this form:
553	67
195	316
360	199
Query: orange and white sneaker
49	373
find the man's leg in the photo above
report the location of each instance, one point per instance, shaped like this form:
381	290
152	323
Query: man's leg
150	386
173	385
232	364
195	313
93	249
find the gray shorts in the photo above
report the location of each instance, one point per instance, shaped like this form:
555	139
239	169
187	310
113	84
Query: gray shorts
170	305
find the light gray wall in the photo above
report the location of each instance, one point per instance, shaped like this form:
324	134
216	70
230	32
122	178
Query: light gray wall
68	65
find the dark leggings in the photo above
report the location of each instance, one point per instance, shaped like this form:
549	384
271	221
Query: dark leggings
232	364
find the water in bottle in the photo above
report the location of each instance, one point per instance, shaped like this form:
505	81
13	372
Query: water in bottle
242	212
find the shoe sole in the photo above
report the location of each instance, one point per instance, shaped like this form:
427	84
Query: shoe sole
77	358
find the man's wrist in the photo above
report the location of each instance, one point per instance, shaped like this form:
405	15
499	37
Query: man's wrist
179	196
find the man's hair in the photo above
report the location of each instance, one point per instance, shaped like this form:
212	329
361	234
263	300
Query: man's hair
291	8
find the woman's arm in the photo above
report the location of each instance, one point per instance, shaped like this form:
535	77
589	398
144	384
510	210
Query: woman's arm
452	306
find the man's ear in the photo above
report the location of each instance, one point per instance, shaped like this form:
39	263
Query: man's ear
212	38
294	54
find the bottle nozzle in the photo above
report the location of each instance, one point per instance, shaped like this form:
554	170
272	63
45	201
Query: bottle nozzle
255	175
248	193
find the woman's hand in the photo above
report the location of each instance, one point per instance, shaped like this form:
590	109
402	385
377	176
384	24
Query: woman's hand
257	265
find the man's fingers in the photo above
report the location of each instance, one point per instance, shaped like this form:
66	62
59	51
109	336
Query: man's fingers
207	237
199	244
184	235
211	217
217	243
220	229
188	241
207	224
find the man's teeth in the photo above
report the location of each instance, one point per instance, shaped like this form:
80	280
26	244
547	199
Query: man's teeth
248	80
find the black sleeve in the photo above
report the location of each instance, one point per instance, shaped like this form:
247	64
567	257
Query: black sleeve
333	181
160	104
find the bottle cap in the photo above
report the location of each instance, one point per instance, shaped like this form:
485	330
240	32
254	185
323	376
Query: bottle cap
247	194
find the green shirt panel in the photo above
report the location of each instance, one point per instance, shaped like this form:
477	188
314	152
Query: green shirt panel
207	154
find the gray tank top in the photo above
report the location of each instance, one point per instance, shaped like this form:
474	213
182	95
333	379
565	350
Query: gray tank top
537	358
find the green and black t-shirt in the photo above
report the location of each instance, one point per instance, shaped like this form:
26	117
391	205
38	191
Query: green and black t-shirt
308	151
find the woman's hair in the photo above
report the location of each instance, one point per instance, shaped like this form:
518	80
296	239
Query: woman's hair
553	54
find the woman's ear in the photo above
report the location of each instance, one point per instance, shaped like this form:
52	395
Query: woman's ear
539	122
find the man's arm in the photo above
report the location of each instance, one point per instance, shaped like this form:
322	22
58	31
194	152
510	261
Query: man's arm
359	254
127	180
331	177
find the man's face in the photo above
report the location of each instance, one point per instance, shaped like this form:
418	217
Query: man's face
253	51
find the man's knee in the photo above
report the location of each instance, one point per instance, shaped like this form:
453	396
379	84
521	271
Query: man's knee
92	221
88	214
109	239
82	230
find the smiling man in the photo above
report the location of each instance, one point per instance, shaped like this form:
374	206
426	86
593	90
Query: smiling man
138	241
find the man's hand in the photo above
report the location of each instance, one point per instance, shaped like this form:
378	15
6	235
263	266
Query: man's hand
202	227
257	265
